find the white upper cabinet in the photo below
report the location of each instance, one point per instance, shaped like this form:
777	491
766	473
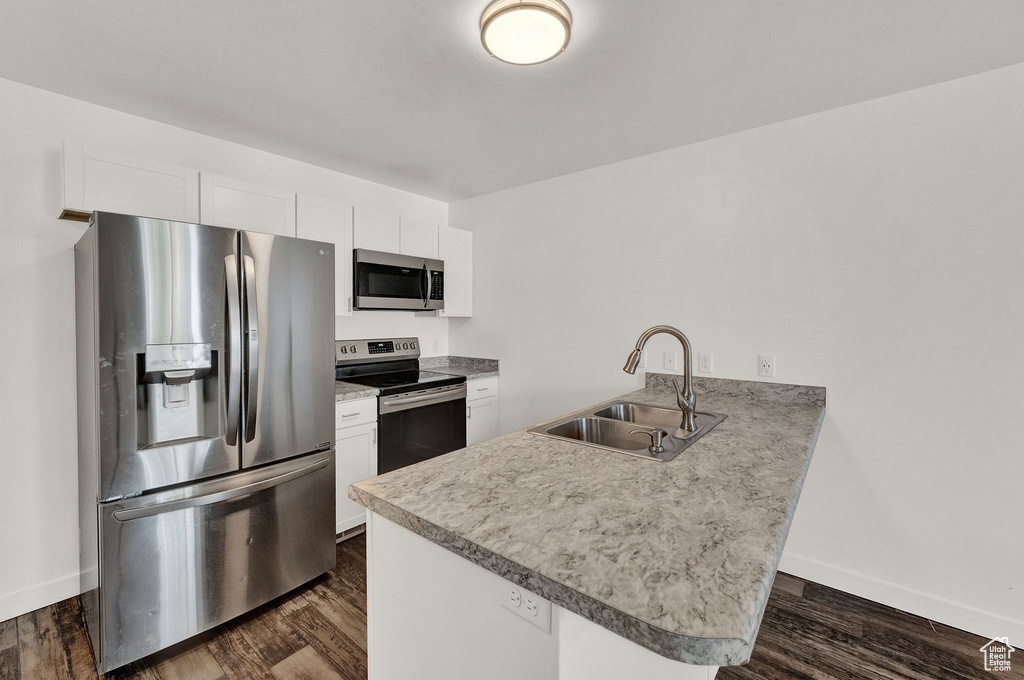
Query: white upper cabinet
94	179
229	202
376	231
455	247
329	221
418	238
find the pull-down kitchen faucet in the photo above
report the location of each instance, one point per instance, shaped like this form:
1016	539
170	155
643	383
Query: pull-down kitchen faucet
685	397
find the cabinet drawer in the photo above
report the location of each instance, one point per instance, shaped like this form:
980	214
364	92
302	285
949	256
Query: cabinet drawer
481	389
355	412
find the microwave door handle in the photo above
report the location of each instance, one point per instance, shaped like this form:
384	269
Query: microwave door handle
234	350
426	278
252	334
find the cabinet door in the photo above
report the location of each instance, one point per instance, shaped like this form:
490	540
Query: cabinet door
455	247
376	231
418	238
356	461
329	221
481	420
229	202
94	179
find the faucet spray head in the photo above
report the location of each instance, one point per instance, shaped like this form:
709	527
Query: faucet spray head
632	362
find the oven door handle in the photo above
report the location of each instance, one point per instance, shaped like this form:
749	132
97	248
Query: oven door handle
392	404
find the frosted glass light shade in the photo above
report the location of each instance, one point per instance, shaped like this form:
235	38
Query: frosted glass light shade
525	31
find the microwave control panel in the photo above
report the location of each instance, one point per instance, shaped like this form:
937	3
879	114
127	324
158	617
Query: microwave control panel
436	285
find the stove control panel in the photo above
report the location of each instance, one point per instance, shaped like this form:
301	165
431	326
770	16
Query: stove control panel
347	352
381	347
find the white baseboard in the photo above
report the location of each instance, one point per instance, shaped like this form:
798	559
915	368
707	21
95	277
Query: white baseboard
40	595
964	617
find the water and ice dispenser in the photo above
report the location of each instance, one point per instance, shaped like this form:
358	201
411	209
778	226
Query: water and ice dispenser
178	394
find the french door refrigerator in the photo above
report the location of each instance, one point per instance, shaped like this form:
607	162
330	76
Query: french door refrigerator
206	426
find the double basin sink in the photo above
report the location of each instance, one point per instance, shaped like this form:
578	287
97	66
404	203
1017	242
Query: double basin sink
623	427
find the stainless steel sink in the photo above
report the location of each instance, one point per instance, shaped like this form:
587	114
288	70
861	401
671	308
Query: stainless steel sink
608	434
623	427
651	416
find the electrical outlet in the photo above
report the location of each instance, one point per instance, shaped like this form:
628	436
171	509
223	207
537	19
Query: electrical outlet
435	347
766	365
526	605
706	362
671	361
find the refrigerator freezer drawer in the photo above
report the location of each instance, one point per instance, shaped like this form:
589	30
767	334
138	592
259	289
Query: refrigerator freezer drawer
179	562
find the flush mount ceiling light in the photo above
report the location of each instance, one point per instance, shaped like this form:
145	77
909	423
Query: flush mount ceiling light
525	32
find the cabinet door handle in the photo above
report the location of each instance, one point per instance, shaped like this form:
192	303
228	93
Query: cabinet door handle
482	389
350	415
469	413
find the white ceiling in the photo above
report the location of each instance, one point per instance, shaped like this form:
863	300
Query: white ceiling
401	92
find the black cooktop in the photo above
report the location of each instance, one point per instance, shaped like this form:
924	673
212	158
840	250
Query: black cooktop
394	382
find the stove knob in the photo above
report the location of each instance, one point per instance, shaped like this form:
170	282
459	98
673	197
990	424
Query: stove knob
344	350
405	345
352	349
412	345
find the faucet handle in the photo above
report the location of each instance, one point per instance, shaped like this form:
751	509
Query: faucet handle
656	437
684	400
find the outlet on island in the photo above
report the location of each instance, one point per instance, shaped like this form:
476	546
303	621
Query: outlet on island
526	605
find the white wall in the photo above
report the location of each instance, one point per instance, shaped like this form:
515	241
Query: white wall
38	438
876	249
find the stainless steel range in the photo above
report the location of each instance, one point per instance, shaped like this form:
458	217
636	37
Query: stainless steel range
206	426
421	414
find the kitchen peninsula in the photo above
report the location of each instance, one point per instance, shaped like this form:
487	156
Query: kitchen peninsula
630	567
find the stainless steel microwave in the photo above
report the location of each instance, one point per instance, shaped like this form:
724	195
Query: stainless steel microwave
392	281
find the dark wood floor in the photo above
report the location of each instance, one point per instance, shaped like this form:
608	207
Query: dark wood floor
812	631
319	632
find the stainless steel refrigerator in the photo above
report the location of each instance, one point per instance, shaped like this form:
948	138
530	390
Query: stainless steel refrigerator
206	426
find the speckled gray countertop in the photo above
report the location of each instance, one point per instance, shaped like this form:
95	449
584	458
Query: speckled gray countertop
346	391
678	557
470	367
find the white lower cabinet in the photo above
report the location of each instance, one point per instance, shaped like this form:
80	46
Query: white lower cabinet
481	410
356	460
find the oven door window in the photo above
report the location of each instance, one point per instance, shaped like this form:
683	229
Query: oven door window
387	281
414	435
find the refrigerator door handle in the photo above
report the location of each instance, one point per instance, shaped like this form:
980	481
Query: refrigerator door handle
252	334
217	497
234	349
